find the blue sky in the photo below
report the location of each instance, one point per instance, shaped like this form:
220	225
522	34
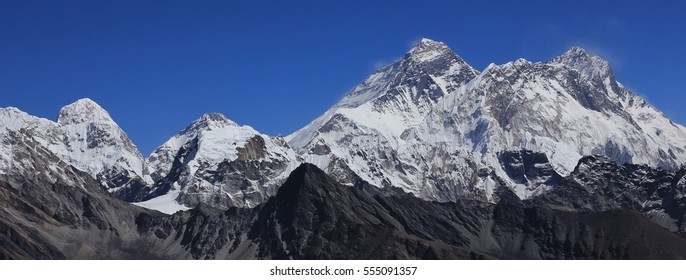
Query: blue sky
277	65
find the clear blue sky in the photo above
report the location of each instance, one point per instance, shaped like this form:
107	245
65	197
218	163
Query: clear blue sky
158	65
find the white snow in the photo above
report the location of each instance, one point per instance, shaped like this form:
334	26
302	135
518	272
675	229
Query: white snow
449	140
427	50
392	134
217	141
381	121
165	203
69	137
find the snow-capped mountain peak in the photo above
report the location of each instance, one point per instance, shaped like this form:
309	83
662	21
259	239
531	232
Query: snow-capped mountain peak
427	50
83	110
577	58
428	62
93	142
86	137
428	123
433	126
216	161
212	129
209	121
380	112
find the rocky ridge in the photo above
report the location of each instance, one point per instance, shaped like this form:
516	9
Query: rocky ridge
439	132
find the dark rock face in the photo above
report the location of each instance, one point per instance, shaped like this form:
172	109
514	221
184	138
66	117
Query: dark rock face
64	214
68	215
164	184
599	184
544	233
54	211
254	149
134	185
312	217
526	167
201	233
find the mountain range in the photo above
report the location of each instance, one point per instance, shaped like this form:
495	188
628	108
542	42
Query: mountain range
427	158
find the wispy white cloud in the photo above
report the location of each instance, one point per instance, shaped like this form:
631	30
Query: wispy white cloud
414	41
605	53
380	64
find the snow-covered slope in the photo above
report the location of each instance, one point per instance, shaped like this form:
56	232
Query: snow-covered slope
396	97
565	108
86	137
16	126
212	161
96	144
433	126
429	124
362	134
216	162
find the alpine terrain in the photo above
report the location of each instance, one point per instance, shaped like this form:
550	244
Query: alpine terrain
216	162
437	128
428	158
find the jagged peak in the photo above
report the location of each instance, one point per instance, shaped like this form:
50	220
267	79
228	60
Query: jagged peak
578	58
576	51
593	161
522	61
81	111
209	121
519	63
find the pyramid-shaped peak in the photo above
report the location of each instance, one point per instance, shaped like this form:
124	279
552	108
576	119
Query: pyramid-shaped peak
427	49
209	121
430	42
576	55
81	111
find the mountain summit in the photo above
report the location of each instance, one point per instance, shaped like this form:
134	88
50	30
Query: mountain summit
86	137
428	124
587	65
427	50
491	159
208	121
432	125
83	110
216	162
